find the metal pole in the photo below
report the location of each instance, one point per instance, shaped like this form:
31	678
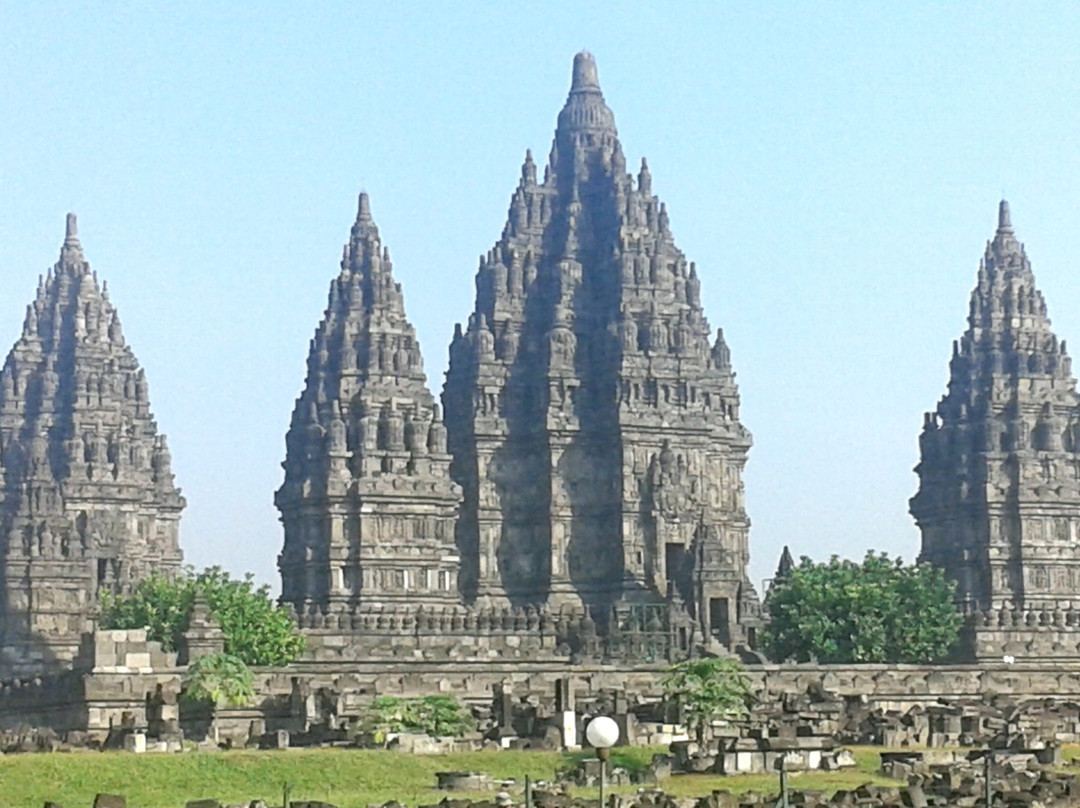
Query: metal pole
988	760
528	792
783	785
603	766
286	795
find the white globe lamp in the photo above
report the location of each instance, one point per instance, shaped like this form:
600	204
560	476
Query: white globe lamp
602	733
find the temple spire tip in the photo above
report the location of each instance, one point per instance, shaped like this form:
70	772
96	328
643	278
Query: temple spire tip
71	233
585	75
364	211
1004	217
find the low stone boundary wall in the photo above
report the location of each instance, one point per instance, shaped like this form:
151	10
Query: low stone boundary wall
125	681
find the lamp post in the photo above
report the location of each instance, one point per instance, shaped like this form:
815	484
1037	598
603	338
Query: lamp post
602	733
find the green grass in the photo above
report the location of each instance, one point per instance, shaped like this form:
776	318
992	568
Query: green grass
347	778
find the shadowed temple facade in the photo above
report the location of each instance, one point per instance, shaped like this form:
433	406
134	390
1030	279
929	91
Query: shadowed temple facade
590	463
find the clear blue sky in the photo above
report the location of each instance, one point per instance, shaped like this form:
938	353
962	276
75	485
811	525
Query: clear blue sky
834	170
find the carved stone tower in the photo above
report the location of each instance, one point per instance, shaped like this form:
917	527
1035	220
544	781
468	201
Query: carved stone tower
368	505
88	500
594	423
999	476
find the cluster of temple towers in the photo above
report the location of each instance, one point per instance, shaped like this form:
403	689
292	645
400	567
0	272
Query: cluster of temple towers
587	452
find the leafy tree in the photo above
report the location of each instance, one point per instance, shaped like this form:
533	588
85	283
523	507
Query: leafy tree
709	689
878	611
438	716
159	603
256	630
221	679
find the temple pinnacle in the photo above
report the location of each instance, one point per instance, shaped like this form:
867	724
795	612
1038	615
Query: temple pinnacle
1004	219
585	75
585	108
71	235
364	213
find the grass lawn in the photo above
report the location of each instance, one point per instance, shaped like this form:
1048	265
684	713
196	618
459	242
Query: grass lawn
347	778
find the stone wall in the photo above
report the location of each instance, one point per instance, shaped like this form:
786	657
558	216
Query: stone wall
120	679
123	681
633	634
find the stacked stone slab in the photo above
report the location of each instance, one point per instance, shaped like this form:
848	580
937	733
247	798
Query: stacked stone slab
593	420
999	475
368	505
88	500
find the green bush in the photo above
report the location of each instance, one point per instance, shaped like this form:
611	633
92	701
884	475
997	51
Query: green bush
709	689
221	679
438	716
256	630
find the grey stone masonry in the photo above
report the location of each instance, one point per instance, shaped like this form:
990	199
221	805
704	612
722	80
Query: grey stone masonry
87	496
999	476
593	417
368	505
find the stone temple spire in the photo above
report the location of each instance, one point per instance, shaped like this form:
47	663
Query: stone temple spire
594	424
87	496
367	503
999	498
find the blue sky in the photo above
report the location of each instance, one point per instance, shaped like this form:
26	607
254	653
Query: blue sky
833	168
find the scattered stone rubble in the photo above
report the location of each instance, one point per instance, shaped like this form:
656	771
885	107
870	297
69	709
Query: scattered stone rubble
998	722
92	707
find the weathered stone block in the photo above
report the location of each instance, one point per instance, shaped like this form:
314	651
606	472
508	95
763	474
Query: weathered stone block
135	742
137	660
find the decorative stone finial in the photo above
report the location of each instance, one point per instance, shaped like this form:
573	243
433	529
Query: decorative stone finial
786	565
365	207
1004	219
585	108
585	75
72	234
644	178
528	169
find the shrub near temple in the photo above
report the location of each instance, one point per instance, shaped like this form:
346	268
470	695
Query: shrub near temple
709	689
256	630
438	716
878	611
222	680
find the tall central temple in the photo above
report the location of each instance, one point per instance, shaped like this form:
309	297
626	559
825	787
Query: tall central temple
592	453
